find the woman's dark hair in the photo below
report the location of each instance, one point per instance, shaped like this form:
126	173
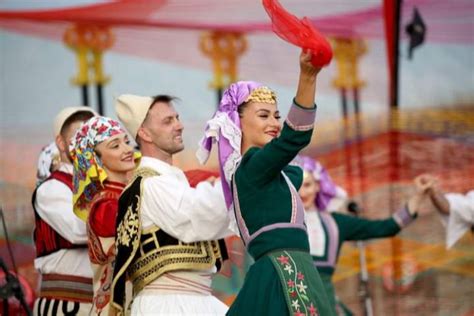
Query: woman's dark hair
241	108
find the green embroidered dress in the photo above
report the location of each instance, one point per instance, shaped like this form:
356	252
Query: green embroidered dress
270	216
338	228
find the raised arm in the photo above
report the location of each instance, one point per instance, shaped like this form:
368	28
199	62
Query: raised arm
354	228
267	162
306	90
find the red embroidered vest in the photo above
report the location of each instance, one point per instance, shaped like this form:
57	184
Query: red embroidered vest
47	240
103	225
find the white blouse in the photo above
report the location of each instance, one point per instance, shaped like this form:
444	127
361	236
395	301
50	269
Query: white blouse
186	213
54	205
461	216
316	234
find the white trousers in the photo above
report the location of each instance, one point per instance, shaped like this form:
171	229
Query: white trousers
147	303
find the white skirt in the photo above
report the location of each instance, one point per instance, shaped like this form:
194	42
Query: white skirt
177	304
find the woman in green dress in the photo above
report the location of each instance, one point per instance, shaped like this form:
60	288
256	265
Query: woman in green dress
328	231
261	189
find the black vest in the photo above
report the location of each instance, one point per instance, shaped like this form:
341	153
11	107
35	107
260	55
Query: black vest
141	256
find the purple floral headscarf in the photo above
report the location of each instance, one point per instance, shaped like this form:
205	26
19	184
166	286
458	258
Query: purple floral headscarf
327	189
224	128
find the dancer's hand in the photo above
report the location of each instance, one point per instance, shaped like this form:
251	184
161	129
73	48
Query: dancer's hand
306	91
429	184
306	67
426	183
416	201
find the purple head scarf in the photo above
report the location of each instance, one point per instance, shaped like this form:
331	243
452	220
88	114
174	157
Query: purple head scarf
327	188
224	128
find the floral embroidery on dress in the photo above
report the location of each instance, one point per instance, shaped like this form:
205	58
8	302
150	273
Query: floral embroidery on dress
295	286
283	259
102	297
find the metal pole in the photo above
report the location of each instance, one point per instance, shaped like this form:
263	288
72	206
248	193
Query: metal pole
85	95
356	100
396	47
100	99
364	291
219	95
344	102
12	286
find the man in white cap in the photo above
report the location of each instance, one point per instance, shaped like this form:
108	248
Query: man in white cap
60	236
166	230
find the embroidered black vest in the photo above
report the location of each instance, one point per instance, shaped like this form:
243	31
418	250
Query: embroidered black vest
144	256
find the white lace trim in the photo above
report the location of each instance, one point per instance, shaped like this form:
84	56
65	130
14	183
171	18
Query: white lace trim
223	124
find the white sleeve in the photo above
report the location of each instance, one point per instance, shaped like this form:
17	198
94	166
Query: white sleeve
462	206
186	213
461	216
54	205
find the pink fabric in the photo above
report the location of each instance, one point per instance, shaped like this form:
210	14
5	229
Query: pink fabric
447	21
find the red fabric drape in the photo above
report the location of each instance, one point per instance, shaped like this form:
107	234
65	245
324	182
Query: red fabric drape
196	176
298	32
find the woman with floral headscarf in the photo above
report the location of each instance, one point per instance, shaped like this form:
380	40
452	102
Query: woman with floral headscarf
327	231
262	191
102	159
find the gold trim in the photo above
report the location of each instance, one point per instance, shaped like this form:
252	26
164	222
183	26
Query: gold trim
150	230
192	256
143	172
152	264
129	226
263	95
135	245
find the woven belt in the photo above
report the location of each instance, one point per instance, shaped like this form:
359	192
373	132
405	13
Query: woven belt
66	287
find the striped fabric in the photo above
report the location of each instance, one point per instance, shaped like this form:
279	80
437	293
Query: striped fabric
66	287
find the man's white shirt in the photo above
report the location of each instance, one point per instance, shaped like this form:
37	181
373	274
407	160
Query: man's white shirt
461	216
54	205
186	213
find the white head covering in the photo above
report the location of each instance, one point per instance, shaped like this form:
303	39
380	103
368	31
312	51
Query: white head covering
66	113
132	110
48	156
